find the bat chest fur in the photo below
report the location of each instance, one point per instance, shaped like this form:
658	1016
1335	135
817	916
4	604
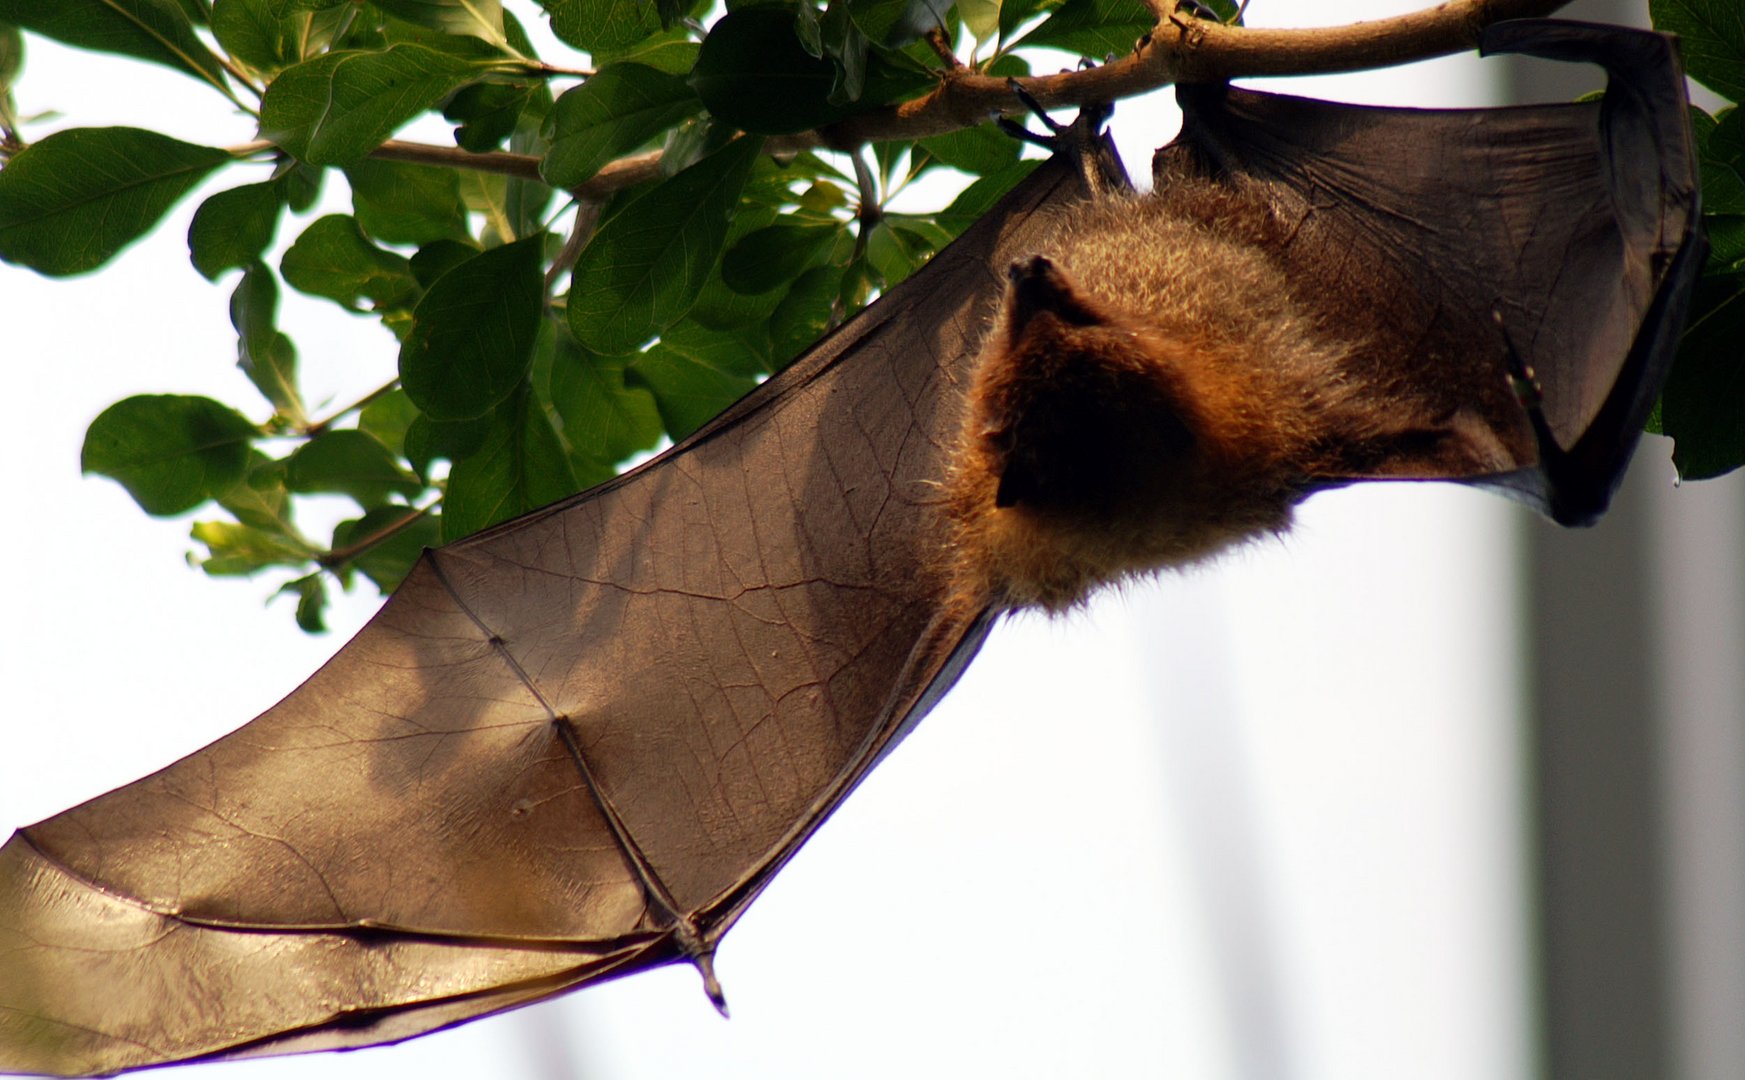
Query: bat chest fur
1149	395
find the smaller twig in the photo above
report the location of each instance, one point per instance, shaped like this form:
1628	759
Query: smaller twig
587	216
341	555
870	211
936	39
319	426
240	76
521	166
542	70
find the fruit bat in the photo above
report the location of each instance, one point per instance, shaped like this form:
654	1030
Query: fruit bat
579	744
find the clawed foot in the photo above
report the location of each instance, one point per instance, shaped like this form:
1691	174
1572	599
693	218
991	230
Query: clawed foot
1079	139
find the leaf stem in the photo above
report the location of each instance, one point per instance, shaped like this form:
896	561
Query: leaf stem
587	216
341	555
319	426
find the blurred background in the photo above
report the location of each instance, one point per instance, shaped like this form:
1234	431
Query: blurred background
1427	788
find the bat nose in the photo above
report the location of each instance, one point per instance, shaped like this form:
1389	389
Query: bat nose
1039	286
1037	266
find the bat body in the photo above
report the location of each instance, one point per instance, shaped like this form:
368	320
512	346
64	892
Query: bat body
1154	391
1172	372
579	744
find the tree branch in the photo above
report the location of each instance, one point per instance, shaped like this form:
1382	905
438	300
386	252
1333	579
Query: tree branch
1184	49
1179	49
341	555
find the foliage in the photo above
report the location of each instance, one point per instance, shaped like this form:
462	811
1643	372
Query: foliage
1703	401
608	325
625	304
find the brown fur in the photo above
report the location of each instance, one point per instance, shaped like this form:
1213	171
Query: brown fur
1152	392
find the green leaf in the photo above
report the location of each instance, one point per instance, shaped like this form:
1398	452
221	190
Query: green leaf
619	109
730	353
235	549
1726	234
233	227
894	23
752	72
336	108
267	42
427	440
311	592
671	51
387	417
333	258
349	462
719	307
472	333
300	184
1705	396
1015	13
155	30
513	208
805	313
522	466
439	257
774	256
1094	27
71	201
596	25
848	47
477	18
981	16
387	561
687	390
978	150
1711	41
1721	150
1227	11
974	201
888	255
398	203
11	62
285	8
261	499
644	266
11	55
171	452
604	420
486	113
265	355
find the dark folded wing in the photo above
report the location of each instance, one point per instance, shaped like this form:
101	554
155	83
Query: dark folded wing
1577	223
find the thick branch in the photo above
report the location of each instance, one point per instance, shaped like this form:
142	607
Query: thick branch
1184	49
1181	49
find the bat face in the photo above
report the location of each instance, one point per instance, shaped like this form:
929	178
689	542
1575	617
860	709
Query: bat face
1096	445
581	743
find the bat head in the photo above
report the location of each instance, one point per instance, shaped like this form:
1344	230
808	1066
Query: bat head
1098	444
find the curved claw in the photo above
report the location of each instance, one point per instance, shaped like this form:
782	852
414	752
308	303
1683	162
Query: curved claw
1080	140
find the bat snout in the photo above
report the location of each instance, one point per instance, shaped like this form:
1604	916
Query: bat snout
1038	286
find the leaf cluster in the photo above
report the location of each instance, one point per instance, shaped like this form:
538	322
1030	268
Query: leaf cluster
626	234
1705	397
545	333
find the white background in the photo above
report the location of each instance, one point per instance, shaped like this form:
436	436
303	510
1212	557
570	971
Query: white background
1260	820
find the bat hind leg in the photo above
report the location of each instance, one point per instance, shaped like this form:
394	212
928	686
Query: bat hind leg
1081	140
